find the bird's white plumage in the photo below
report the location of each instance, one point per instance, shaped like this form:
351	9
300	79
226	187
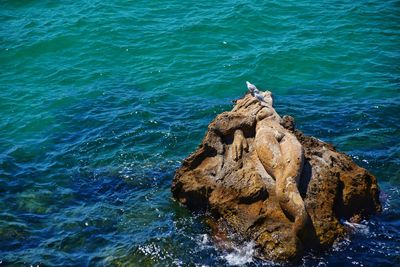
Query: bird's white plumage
256	93
252	88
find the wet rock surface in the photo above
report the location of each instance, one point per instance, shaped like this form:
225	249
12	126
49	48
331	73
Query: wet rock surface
269	183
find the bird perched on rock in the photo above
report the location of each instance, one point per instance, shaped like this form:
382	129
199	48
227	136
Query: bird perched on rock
256	93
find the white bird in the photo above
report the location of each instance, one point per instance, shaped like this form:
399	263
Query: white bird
252	88
256	93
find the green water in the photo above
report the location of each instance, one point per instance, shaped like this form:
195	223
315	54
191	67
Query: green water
101	100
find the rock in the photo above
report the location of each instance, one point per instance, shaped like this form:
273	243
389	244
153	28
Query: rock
272	184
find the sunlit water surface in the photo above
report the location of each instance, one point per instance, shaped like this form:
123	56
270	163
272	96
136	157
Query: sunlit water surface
101	100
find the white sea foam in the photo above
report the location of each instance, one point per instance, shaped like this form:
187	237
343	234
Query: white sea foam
204	239
356	227
241	254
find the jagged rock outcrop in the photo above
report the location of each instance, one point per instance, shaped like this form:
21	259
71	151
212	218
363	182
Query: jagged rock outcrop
272	184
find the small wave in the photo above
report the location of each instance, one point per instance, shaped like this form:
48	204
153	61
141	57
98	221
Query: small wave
241	255
356	227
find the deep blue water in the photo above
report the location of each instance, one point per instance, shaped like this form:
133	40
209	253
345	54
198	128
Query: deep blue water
100	101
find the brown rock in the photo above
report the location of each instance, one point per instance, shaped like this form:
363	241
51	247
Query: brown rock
272	184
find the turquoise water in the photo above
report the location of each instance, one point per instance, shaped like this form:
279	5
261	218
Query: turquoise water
101	100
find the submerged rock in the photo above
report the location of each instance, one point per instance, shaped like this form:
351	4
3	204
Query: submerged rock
272	184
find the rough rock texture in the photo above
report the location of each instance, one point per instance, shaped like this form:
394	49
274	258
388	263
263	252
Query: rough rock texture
272	184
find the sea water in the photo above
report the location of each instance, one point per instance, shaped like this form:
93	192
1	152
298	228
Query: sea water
100	101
